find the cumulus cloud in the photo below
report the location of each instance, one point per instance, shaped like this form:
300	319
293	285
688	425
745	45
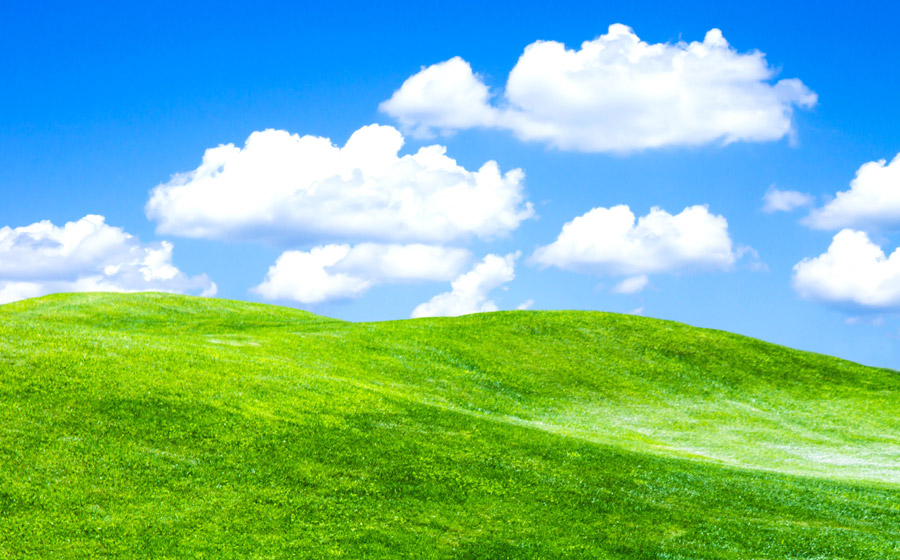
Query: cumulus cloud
615	94
872	201
445	96
612	242
853	273
776	200
87	255
469	293
288	187
335	272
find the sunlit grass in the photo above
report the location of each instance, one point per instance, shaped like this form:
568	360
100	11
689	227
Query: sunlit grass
165	426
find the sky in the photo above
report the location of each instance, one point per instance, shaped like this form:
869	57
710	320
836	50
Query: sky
727	166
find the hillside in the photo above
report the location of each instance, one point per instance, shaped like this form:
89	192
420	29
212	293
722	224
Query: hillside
152	425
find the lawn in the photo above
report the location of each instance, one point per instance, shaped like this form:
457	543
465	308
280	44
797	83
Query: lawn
162	426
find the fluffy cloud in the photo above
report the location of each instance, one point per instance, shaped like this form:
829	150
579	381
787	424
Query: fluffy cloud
776	200
86	255
608	241
854	273
334	272
872	201
469	293
286	186
446	96
617	93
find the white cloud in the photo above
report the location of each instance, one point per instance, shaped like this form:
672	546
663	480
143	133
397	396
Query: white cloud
445	96
14	291
872	201
304	277
608	241
615	94
333	272
527	304
86	255
288	187
469	293
776	200
405	262
632	285
853	273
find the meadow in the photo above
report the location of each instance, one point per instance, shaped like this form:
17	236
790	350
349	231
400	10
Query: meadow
162	426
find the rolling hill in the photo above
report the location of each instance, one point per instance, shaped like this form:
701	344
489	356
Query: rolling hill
153	425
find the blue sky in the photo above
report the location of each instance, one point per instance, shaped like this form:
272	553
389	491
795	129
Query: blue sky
100	104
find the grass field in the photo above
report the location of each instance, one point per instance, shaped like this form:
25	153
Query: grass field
161	426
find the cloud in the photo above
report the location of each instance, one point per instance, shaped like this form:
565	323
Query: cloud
335	272
288	187
527	304
632	285
445	96
469	293
872	201
750	258
87	255
616	94
776	200
853	273
608	241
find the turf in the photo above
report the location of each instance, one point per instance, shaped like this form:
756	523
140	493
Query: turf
161	426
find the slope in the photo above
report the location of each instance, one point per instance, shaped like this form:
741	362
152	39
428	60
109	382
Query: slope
167	426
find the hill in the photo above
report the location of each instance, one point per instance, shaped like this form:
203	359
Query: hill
153	425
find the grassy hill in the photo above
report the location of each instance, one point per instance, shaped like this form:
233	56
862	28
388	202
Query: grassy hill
163	426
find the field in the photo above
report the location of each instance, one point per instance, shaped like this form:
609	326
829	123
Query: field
162	426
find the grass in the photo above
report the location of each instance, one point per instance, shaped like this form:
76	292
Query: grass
151	425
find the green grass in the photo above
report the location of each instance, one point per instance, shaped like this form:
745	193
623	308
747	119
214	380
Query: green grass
160	426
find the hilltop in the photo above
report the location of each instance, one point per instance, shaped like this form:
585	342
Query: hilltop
154	425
